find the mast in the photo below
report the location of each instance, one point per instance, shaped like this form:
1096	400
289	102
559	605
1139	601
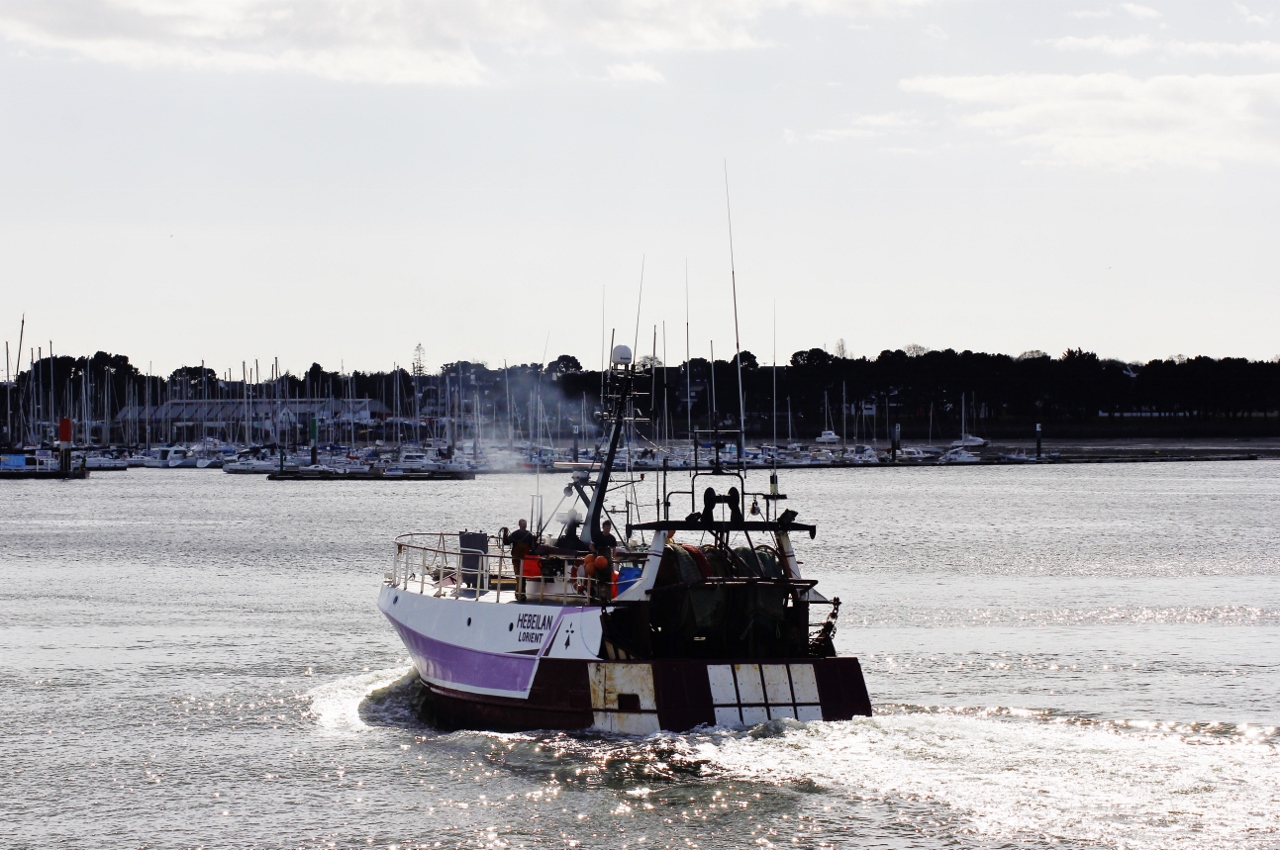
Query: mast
688	369
53	398
737	343
17	369
653	390
715	414
666	419
244	380
621	371
773	417
511	434
22	329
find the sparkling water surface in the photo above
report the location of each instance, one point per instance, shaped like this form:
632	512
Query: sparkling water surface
1076	656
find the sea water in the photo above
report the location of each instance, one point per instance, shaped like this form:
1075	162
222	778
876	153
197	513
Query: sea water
1067	656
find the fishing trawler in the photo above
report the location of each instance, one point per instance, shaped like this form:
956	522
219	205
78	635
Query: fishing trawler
709	621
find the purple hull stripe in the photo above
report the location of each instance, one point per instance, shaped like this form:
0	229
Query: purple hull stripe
467	668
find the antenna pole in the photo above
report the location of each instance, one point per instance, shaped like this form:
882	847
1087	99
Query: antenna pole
666	419
737	343
715	411
22	330
653	383
603	353
688	369
639	300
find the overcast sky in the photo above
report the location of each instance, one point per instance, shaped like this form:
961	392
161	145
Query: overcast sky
339	181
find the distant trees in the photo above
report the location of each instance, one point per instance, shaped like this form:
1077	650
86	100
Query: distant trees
563	365
1077	392
814	357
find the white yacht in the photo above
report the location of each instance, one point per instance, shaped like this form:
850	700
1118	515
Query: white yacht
958	455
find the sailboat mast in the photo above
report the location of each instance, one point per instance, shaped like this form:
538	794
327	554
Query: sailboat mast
773	416
511	433
666	419
715	413
688	369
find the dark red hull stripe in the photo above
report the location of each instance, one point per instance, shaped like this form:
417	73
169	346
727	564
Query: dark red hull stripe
560	697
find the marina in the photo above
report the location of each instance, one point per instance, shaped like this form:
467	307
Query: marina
1052	650
413	464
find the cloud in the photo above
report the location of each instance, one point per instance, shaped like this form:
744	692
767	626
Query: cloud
1134	10
935	31
1141	12
394	41
865	126
1268	50
1104	44
1251	17
1132	46
636	72
335	40
1116	121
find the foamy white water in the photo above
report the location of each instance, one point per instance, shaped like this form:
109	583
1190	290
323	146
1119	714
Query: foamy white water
1037	778
336	705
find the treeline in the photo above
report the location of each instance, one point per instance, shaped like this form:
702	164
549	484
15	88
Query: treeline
1075	394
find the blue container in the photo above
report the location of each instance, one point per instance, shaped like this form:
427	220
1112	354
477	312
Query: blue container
627	576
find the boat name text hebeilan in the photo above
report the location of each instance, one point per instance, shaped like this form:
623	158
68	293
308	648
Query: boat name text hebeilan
532	626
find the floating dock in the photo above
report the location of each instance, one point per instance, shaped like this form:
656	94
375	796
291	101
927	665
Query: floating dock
75	473
448	475
1030	460
40	464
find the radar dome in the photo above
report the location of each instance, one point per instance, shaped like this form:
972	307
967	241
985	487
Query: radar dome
621	355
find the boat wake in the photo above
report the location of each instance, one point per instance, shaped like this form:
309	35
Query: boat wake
1033	776
988	774
999	776
366	700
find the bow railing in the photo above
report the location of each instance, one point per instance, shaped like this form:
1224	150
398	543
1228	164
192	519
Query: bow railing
477	566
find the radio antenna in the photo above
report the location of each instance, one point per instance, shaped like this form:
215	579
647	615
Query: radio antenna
737	343
774	417
639	300
688	377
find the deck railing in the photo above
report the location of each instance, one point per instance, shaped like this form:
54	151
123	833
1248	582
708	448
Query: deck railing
438	563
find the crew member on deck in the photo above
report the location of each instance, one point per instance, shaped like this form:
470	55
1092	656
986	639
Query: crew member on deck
605	550
521	542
